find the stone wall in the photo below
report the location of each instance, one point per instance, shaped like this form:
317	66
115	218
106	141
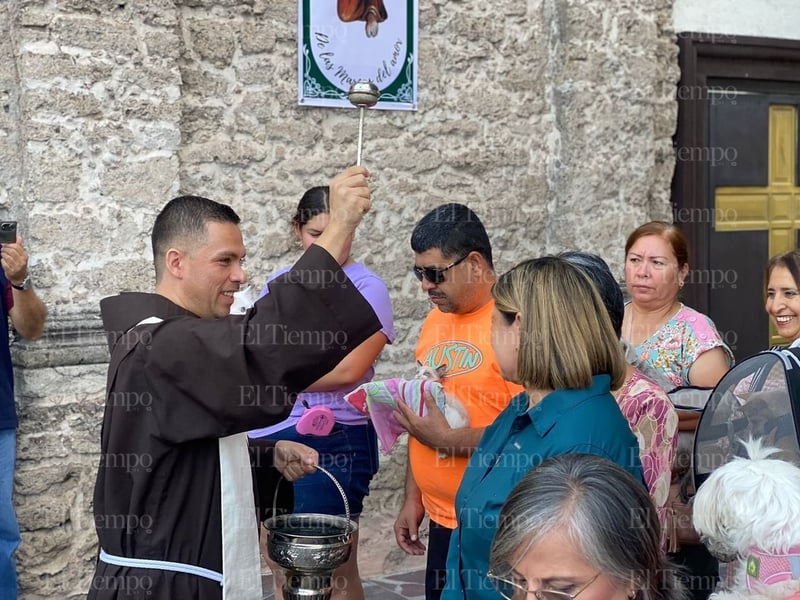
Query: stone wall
551	118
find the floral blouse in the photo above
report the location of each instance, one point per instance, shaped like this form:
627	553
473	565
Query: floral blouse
654	422
673	349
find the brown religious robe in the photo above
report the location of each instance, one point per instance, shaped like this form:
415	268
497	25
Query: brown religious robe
175	387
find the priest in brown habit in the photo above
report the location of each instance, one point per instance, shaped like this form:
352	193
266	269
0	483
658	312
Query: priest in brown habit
173	502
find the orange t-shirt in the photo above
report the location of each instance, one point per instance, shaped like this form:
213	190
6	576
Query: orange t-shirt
463	343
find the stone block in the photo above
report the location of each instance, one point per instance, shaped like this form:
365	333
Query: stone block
45	511
94	7
42	546
81	71
201	122
33	16
205	83
212	41
109	36
224	152
124	181
156	13
161	44
217	4
257	37
54	103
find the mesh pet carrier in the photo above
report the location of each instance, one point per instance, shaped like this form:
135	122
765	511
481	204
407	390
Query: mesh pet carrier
760	398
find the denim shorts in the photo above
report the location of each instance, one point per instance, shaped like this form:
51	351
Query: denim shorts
350	454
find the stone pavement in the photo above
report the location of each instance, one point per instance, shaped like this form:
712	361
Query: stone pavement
401	586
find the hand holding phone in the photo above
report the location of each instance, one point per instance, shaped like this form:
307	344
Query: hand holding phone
8	232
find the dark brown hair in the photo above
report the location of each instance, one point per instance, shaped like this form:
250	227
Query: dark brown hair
667	231
314	202
788	260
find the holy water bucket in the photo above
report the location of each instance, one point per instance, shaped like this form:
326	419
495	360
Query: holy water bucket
310	547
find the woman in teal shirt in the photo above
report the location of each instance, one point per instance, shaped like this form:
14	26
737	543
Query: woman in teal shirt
552	334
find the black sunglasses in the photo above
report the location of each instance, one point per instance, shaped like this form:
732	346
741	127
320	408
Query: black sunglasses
433	274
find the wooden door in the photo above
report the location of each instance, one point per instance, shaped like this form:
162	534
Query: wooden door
735	192
755	202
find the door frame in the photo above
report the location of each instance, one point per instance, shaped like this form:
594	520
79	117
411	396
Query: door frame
704	56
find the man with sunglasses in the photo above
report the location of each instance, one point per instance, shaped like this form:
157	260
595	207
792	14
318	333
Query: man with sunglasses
453	262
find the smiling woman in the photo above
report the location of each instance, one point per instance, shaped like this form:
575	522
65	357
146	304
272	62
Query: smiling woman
782	283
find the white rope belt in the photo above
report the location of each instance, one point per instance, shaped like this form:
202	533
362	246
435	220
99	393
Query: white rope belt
163	565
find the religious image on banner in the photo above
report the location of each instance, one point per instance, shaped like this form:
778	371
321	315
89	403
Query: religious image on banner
340	42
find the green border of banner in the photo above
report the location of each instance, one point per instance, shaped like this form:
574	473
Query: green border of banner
400	92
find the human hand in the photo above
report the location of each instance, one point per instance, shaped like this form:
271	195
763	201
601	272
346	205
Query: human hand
295	460
350	198
14	260
432	429
406	528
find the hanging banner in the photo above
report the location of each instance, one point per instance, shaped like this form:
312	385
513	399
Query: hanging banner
340	42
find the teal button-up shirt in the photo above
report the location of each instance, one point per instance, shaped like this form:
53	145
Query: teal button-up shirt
586	421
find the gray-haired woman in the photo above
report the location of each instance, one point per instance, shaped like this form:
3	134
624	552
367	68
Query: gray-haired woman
579	525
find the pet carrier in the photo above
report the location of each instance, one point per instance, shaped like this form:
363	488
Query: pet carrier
759	398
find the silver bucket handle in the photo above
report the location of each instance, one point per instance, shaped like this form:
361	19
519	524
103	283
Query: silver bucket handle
338	487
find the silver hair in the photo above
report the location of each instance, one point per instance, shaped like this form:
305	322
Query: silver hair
605	511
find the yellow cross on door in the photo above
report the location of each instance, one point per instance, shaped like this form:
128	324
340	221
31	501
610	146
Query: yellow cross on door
776	207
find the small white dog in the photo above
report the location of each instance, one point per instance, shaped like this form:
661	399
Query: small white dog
454	410
748	510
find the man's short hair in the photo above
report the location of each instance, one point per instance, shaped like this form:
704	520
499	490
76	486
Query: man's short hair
183	222
454	230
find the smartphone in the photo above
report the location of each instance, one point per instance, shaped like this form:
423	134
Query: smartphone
8	232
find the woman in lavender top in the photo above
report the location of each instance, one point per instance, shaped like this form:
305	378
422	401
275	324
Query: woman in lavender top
349	451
